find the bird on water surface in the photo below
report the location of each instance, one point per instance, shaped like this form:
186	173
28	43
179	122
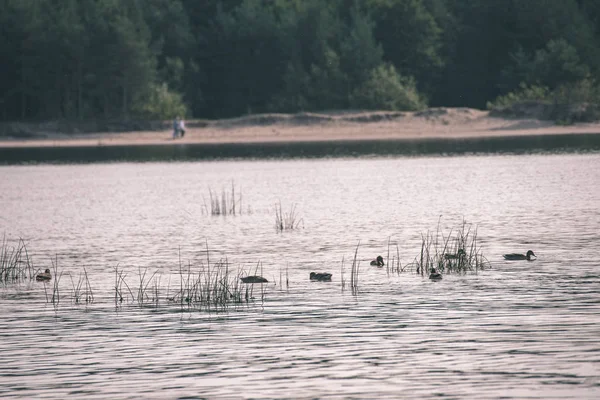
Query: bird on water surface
517	256
435	276
253	279
43	276
320	276
378	262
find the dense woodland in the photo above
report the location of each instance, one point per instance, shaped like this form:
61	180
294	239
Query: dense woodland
84	59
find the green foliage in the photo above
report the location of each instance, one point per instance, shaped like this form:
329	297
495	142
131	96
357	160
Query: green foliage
583	91
80	59
387	90
326	83
569	102
553	75
219	58
244	59
161	104
292	97
558	64
359	51
523	94
410	37
171	40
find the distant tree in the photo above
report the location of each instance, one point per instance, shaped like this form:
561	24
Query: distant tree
410	37
558	63
359	51
115	58
171	40
244	59
540	21
313	78
161	103
387	90
18	52
334	53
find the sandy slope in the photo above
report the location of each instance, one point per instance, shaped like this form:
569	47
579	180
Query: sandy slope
431	123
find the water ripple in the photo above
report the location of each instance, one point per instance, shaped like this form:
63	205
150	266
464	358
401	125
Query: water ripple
518	330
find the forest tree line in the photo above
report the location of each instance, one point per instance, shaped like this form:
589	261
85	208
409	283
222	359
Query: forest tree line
83	59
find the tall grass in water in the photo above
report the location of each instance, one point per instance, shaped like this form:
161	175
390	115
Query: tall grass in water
210	287
353	273
82	291
286	221
343	278
56	276
287	278
226	204
15	263
354	269
248	289
120	287
457	252
394	265
144	294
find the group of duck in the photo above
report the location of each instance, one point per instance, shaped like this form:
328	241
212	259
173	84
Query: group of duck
314	276
434	275
326	277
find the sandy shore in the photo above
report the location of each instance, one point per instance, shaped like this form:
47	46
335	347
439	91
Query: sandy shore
432	123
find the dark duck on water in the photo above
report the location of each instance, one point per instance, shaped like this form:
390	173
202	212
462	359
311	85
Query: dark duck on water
517	256
320	276
43	276
253	279
435	276
378	262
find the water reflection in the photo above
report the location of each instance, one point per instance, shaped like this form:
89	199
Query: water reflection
192	152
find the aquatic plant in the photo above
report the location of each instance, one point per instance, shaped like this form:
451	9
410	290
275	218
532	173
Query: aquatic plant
120	285
143	292
56	276
287	278
459	251
249	288
394	265
211	287
342	278
286	221
353	272
226	204
82	290
15	263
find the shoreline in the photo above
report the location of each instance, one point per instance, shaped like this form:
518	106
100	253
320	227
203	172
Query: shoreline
434	123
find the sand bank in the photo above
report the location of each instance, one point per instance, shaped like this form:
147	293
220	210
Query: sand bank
432	123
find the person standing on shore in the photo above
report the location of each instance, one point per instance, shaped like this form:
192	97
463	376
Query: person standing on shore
176	128
181	127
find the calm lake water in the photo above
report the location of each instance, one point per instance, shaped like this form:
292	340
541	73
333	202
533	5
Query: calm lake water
519	330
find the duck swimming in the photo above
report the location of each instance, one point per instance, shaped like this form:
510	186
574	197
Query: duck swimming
320	276
460	253
43	276
253	279
378	262
435	276
516	256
